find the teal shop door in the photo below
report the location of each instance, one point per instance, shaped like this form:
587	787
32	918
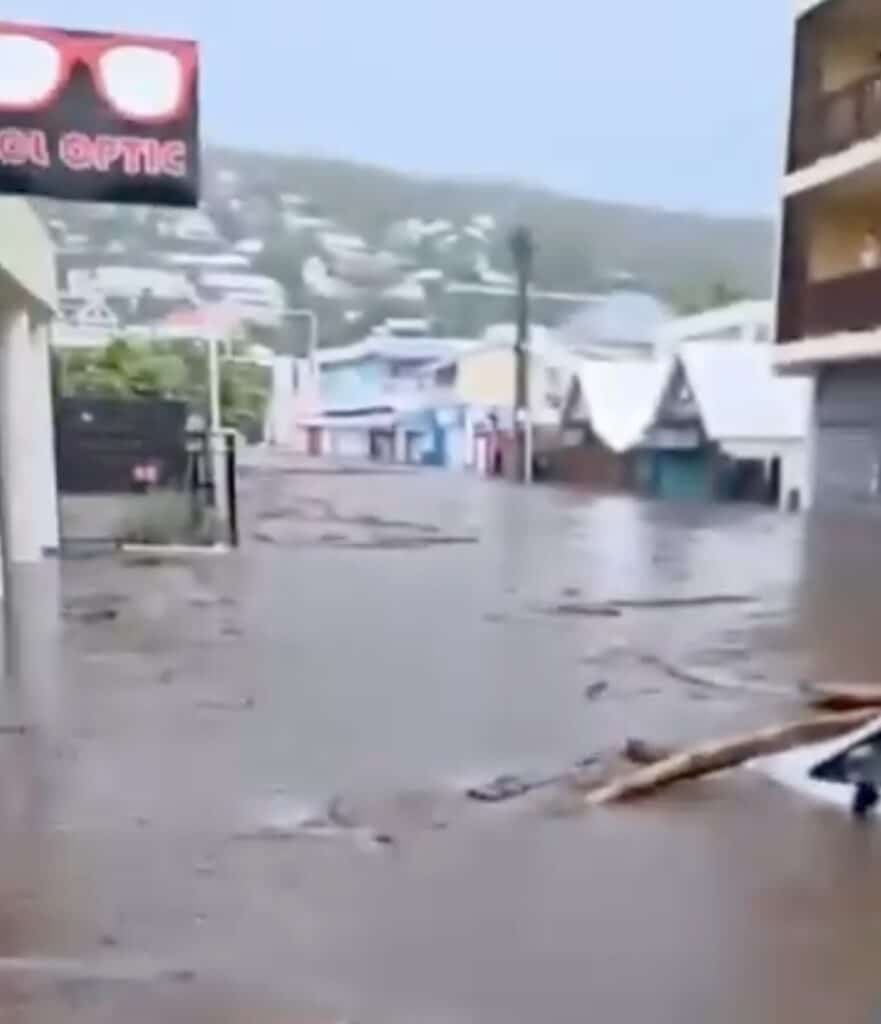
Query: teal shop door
683	476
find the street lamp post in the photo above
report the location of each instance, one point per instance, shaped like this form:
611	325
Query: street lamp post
280	423
215	424
312	318
522	253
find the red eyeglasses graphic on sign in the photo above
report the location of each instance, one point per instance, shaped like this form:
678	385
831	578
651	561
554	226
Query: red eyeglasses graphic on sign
142	79
98	116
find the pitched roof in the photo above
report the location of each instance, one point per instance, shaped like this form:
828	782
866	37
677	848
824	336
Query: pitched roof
739	395
394	349
621	399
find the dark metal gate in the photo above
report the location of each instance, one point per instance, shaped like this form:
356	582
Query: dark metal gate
129	470
114	446
848	440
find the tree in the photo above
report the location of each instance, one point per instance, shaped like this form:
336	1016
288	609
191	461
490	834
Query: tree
174	370
701	297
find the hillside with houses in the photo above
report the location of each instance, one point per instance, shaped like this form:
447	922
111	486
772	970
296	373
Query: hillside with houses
368	250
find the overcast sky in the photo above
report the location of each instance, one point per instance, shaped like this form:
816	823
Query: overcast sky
671	102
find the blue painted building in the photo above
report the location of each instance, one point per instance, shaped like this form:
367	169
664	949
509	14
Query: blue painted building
377	403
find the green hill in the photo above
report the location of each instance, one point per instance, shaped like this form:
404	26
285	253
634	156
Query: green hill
581	242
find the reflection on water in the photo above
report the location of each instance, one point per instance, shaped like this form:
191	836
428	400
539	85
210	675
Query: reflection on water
303	677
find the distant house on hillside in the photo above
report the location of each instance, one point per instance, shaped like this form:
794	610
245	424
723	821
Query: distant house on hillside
188	227
363	278
91	312
124	276
623	324
403	327
214	259
300	215
256	297
206	322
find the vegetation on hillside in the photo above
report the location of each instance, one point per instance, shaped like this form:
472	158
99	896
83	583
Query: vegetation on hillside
580	242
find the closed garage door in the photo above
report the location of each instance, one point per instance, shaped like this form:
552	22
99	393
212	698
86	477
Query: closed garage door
848	454
351	444
683	476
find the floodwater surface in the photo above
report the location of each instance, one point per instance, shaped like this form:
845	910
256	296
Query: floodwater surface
232	789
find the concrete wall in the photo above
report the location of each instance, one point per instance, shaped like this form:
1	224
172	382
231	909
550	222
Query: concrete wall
590	465
797	474
349	444
26	252
486	380
99	517
353	385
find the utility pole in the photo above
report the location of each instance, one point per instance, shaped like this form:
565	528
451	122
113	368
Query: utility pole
522	251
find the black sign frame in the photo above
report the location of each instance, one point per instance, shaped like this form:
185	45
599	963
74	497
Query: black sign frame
106	119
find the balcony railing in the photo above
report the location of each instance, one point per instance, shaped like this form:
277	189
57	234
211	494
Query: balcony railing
851	303
839	120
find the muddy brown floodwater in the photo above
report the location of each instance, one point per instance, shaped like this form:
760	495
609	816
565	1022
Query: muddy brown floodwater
233	789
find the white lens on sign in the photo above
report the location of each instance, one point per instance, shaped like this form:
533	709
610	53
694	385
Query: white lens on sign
29	70
142	82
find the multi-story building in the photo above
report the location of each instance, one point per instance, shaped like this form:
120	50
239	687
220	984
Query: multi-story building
828	317
371	397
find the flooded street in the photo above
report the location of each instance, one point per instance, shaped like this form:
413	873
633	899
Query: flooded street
235	789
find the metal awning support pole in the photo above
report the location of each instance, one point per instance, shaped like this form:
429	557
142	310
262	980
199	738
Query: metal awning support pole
215	429
522	250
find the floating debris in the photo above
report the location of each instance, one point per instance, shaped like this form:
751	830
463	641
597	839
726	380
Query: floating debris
182	976
643	752
145	562
408	543
248	704
93	608
212	601
15	729
497	618
505	787
595	611
669	603
510	787
596	690
729	685
313	829
841	696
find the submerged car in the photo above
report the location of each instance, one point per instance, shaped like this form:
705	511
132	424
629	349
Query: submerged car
845	771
